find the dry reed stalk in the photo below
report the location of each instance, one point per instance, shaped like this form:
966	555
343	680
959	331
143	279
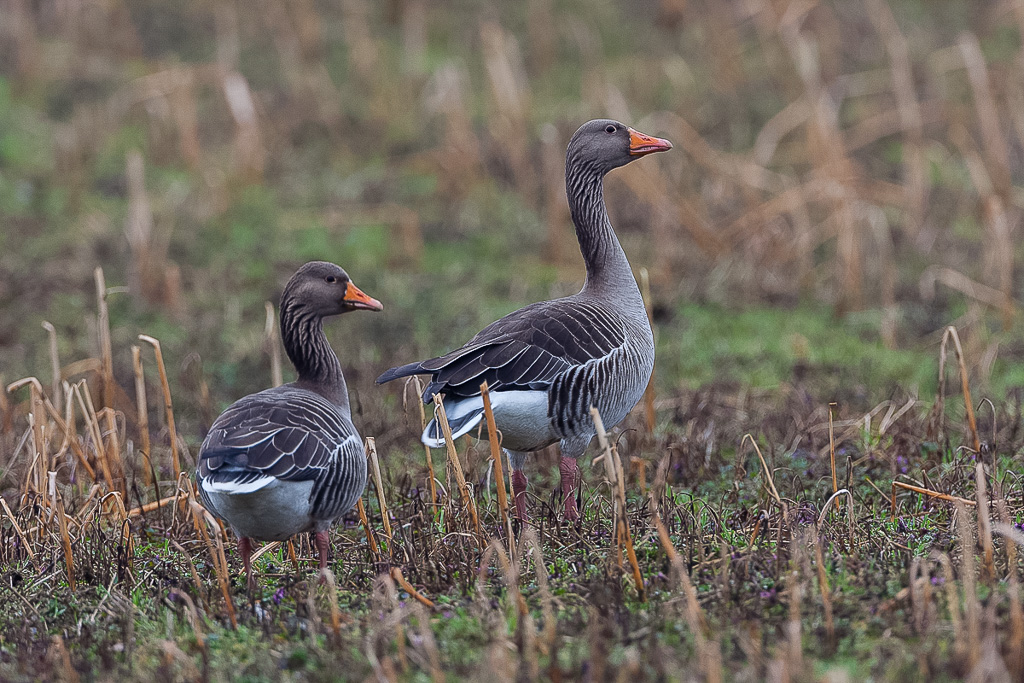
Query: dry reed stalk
429	644
954	279
788	119
6	413
264	549
832	449
398	578
168	406
292	556
84	397
987	112
85	514
332	589
374	550
183	492
385	604
414	37
187	669
613	470
624	531
21	534
909	110
37	416
510	572
510	100
272	346
826	595
939	408
55	386
456	465
201	517
524	623
200	591
122	513
59	657
113	455
499	470
65	538
103	329
605	447
757	529
793	657
143	415
361	43
917	582
764	467
826	147
371	453
984	524
67	425
51	493
552	173
547	599
972	609
249	149
926	492
197	631
1014	538
998	245
155	505
849	511
709	653
415	382
145	272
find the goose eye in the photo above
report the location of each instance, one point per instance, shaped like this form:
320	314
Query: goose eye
331	279
609	129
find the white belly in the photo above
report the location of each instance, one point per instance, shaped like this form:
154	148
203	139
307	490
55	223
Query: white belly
521	418
275	512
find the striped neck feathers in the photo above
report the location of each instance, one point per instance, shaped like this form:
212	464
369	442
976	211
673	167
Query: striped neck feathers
306	345
607	266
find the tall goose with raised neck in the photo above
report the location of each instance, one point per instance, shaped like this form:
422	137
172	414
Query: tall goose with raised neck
548	363
288	459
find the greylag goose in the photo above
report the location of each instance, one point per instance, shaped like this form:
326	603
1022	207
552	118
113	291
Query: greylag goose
288	459
548	363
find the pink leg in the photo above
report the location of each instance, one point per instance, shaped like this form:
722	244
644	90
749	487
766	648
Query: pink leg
570	472
323	544
245	550
519	492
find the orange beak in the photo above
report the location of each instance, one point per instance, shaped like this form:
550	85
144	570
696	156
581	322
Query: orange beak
641	144
355	298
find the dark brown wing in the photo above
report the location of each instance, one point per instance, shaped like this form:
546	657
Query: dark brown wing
526	349
290	434
285	432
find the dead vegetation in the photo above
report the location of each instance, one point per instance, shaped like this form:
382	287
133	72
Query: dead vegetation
710	568
854	154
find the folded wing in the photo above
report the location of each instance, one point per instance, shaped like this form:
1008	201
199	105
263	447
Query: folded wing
526	349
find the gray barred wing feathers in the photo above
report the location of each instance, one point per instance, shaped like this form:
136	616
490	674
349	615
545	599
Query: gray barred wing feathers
527	349
289	434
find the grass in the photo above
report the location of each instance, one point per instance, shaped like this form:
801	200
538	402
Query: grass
147	603
766	347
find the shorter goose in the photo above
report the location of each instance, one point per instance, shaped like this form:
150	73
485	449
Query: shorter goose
548	363
288	459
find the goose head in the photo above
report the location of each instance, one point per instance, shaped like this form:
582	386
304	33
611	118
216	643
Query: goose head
604	144
323	289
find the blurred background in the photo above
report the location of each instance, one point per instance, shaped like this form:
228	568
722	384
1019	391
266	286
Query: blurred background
846	181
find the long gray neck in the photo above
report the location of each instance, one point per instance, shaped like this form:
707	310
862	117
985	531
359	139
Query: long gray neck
608	270
311	353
